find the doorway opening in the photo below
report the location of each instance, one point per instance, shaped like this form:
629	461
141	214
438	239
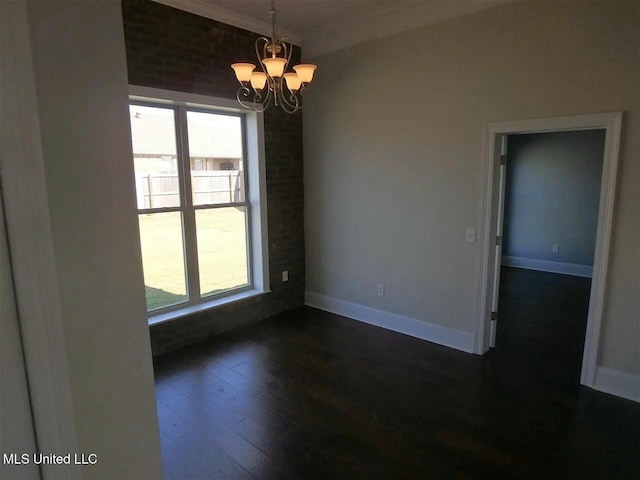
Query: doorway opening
498	135
551	195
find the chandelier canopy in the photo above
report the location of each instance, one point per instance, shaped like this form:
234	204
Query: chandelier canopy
258	88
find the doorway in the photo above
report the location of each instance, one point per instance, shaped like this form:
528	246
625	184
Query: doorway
551	196
494	207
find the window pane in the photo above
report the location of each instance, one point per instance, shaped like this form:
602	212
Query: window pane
163	259
155	160
222	249
216	158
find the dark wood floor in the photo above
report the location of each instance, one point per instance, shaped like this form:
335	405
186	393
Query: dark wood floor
542	322
313	395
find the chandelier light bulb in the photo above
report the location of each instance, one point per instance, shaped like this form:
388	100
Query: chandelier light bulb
243	71
275	66
258	80
293	82
305	72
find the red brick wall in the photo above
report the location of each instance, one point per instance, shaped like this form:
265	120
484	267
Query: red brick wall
175	50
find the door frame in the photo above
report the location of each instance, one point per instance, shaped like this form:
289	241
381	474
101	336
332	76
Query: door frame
31	249
611	122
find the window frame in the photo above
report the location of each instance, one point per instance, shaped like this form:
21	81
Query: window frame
254	202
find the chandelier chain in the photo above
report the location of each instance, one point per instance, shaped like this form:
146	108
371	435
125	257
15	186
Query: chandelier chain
274	22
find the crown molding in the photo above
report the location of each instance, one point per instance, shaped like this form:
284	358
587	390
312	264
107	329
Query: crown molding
208	10
374	23
386	21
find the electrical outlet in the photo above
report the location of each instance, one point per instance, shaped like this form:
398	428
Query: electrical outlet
285	275
381	290
471	235
555	248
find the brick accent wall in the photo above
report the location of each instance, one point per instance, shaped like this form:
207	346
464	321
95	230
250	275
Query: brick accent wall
175	50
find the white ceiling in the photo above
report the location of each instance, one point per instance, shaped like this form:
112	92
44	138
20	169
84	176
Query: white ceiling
321	26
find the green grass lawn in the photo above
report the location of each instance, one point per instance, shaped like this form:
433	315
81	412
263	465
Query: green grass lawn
222	254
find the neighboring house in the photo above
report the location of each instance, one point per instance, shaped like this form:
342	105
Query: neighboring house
214	147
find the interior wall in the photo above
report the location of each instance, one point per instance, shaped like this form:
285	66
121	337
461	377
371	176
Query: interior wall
394	140
82	93
171	49
552	195
16	422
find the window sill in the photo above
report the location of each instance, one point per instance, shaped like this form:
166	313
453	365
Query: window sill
157	318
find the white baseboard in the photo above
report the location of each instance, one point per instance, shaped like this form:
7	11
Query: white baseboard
548	266
391	321
617	383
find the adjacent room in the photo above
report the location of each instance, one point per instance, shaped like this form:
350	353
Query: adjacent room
549	230
319	240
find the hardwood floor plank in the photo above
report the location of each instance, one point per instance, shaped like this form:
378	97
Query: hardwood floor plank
233	378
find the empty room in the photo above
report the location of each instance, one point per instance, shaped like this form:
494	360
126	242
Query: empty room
319	239
551	196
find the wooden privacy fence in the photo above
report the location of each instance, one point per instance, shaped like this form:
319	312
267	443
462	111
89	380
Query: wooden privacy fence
215	186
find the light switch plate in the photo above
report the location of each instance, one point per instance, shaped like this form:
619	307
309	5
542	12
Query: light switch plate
471	235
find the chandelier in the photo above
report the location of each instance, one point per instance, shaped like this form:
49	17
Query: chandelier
258	88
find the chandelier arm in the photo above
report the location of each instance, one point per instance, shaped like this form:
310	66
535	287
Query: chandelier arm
257	103
264	104
290	105
288	48
242	95
296	100
264	51
293	101
286	54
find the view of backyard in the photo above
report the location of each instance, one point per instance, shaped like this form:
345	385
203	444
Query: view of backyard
215	172
222	254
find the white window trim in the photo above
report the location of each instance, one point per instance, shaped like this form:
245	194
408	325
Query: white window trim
256	196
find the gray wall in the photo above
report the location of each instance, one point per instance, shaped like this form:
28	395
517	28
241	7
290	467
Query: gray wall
552	195
394	142
82	93
16	424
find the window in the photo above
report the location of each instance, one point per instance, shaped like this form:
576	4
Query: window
227	166
198	226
